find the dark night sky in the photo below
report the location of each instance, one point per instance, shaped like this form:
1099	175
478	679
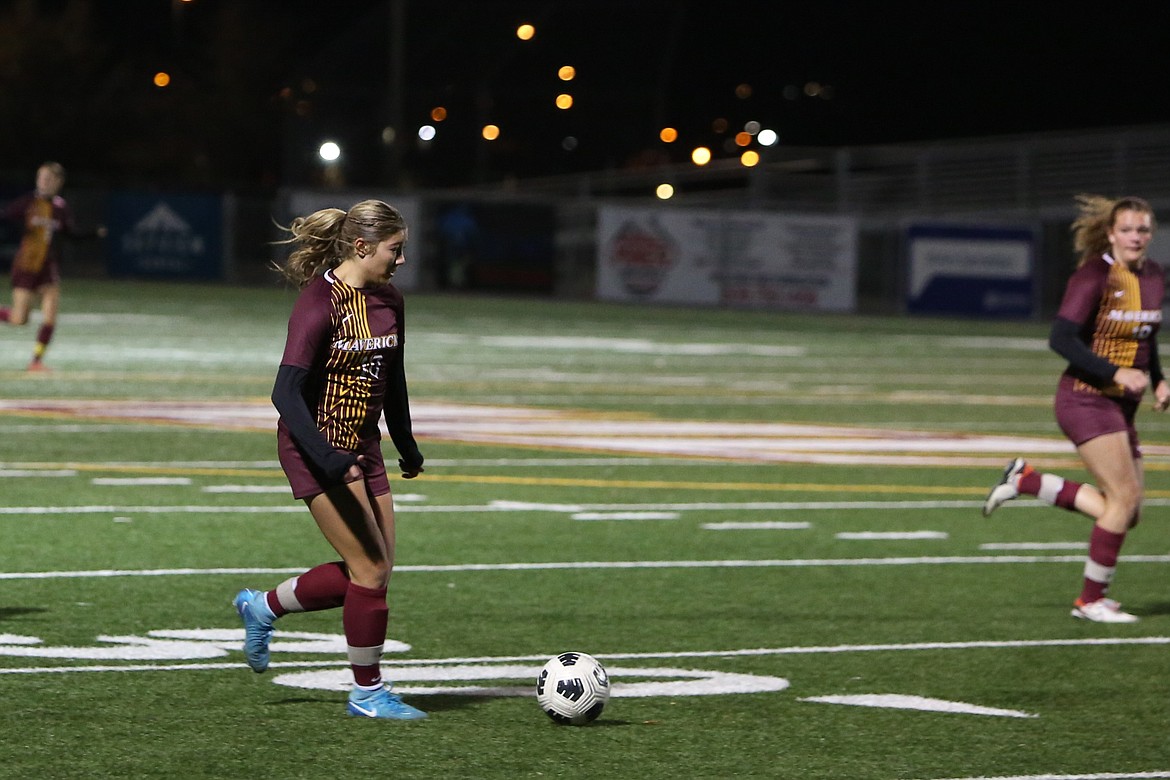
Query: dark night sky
898	71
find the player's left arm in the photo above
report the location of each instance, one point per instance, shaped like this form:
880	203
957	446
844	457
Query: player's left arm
1158	379
396	409
70	230
15	210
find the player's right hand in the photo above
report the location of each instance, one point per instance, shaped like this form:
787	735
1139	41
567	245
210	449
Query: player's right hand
1132	379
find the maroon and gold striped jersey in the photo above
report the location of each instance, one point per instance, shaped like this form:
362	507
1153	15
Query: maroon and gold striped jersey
349	340
41	219
1119	310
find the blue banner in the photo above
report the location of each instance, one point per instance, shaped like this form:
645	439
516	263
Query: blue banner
496	246
172	236
971	270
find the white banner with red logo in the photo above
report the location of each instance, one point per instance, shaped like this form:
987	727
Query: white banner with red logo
747	259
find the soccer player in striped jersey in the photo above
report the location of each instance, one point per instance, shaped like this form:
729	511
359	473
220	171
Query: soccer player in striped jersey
1106	329
43	215
341	371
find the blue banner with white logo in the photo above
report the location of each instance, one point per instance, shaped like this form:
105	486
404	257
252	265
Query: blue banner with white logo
971	270
172	236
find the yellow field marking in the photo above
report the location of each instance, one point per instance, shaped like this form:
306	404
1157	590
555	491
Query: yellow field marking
799	393
792	487
123	376
555	432
489	479
159	422
131	468
639	484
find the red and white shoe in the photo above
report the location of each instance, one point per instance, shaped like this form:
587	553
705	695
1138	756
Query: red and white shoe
37	367
1102	611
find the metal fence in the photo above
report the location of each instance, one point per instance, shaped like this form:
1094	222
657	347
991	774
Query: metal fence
1028	180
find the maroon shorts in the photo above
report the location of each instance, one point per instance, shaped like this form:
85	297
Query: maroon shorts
23	279
307	480
1083	416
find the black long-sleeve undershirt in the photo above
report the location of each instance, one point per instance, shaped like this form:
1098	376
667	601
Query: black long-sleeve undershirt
290	403
1064	339
396	410
288	398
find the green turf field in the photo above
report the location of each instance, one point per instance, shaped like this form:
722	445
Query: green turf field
767	527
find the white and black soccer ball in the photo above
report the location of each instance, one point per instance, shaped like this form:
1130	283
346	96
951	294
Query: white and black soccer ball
572	688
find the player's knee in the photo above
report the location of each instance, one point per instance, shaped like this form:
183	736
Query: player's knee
371	574
1127	498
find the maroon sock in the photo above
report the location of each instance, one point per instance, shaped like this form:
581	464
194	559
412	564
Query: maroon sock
1104	549
1029	482
322	587
1049	488
4	313
44	336
364	618
1066	497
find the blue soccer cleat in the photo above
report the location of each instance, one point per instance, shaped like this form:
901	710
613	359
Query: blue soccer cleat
253	608
381	704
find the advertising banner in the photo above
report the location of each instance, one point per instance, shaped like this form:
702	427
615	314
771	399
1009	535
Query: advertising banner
171	236
739	259
971	270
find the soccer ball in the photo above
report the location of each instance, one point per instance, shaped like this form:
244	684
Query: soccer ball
572	688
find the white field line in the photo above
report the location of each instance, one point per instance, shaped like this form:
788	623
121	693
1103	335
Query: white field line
798	563
609	657
1092	776
26	473
78	428
1034	546
569	462
173	464
99	509
890	535
626	516
765	525
139	481
522	506
920	703
633	346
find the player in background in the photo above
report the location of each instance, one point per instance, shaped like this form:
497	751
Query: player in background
36	269
342	369
1106	329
